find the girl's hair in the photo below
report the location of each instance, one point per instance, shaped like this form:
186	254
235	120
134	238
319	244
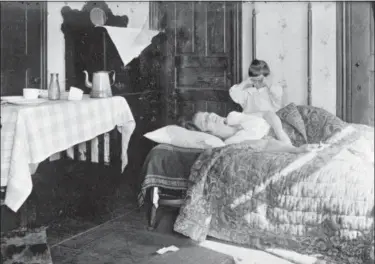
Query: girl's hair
259	67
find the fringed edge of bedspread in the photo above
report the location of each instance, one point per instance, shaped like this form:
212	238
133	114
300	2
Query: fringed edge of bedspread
152	180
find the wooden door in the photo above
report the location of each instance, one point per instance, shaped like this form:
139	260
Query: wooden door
23	46
356	62
202	55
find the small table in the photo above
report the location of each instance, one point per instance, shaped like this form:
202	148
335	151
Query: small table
32	133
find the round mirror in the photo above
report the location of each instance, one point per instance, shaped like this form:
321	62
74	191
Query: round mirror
98	16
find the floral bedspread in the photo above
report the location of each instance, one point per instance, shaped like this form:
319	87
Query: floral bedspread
317	204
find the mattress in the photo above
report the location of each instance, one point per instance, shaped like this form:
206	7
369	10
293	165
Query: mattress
167	167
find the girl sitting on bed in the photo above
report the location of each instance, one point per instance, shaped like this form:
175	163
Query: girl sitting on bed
257	98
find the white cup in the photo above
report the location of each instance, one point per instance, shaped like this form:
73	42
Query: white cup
75	94
30	93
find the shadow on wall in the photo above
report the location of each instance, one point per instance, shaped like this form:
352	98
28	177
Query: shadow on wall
84	43
82	17
90	48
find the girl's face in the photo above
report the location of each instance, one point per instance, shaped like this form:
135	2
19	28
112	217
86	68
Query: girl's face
258	81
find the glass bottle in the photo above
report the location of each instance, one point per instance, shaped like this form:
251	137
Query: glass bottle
54	87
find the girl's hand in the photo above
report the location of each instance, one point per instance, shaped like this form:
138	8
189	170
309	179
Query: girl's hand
247	84
258	82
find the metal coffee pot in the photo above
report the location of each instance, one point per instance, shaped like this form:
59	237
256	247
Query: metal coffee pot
100	85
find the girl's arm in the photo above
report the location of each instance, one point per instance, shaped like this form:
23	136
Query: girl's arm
276	95
237	91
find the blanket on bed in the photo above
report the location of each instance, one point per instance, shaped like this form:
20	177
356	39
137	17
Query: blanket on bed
319	204
167	167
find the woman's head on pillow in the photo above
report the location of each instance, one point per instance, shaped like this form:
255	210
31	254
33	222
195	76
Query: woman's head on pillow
181	137
186	122
213	124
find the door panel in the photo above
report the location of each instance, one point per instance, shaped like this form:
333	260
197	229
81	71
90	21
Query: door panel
21	46
217	28
200	26
13	47
201	47
185	28
200	78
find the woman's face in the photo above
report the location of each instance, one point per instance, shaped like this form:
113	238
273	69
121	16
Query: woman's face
213	124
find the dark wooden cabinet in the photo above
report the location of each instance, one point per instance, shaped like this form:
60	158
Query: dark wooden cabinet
23	46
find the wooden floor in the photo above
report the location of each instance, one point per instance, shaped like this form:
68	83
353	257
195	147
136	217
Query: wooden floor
123	240
126	240
93	217
72	197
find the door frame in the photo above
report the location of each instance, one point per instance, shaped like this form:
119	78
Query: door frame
44	45
343	60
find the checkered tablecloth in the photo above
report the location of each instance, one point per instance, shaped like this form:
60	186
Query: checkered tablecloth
30	134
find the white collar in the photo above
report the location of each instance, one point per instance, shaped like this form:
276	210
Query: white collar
255	90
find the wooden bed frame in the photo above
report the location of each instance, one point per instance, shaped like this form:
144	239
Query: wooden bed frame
158	197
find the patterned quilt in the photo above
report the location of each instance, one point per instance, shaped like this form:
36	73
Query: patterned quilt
317	204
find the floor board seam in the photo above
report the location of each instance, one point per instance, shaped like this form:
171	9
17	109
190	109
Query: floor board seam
93	228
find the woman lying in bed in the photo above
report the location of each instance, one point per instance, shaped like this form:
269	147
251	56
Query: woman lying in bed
254	130
318	207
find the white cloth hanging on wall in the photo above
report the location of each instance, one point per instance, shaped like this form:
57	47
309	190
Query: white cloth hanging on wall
130	42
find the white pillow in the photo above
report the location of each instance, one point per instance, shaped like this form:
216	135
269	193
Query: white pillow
182	137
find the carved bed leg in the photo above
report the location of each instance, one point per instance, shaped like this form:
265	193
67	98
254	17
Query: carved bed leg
155	205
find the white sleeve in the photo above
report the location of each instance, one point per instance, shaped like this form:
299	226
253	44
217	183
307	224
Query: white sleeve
237	93
235	118
276	95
